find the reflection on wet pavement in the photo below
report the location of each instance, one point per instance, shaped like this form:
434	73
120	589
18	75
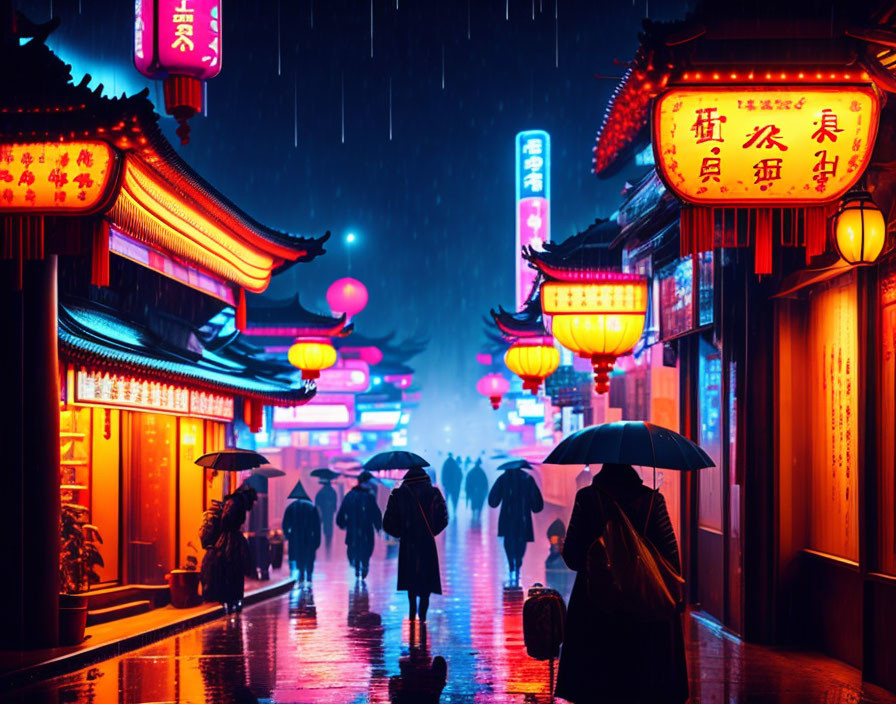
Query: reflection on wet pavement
348	642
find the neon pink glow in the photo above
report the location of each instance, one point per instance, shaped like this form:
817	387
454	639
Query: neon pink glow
484	358
402	381
348	375
533	220
371	355
539	341
305	333
493	385
186	34
590	275
323	412
347	296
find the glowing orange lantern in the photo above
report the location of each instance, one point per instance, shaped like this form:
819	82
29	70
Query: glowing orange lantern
180	42
860	230
533	360
599	316
311	355
494	386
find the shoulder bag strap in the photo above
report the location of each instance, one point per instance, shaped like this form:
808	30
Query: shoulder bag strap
422	512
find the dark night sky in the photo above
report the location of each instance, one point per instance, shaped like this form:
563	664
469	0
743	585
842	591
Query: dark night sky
432	208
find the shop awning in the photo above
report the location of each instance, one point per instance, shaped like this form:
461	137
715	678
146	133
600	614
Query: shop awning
100	338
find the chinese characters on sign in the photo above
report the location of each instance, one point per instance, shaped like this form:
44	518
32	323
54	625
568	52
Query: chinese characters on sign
533	193
102	388
764	145
188	37
54	176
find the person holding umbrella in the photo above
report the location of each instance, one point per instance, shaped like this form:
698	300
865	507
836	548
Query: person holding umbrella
476	488
326	501
610	653
519	497
415	514
359	516
301	527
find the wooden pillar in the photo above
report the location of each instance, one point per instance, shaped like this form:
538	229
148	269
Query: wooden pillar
29	517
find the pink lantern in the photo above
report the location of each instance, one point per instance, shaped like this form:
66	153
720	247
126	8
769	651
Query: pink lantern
179	41
484	358
494	386
371	355
347	296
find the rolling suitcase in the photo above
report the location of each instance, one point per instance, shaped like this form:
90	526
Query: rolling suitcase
544	617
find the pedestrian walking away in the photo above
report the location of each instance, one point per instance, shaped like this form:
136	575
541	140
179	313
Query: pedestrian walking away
519	497
476	488
301	528
227	560
359	517
610	654
326	502
416	514
452	477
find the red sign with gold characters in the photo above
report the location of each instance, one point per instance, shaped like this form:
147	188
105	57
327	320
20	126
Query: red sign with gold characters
55	177
764	145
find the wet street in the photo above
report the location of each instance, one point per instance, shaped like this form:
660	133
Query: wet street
347	643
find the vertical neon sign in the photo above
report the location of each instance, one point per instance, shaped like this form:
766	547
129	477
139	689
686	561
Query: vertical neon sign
533	193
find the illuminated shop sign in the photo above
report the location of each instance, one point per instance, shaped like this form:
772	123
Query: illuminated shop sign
530	408
349	375
324	412
140	253
533	194
379	416
105	389
764	145
55	177
178	36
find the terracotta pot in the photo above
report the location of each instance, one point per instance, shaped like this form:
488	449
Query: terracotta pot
72	622
276	555
71	601
184	585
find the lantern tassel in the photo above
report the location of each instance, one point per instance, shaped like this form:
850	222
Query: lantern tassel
99	261
240	317
763	243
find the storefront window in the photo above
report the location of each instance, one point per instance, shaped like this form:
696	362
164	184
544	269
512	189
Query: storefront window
704	271
676	298
105	487
709	410
191	446
151	497
886	487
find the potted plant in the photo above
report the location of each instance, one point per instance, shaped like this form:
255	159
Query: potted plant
184	583
79	557
276	543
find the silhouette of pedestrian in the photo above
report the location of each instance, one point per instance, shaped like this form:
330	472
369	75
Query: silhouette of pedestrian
519	497
476	488
416	514
609	656
326	502
301	527
227	560
359	517
452	477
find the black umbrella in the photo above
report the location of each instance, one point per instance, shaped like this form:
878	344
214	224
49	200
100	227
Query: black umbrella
233	460
270	472
324	473
515	464
397	459
630	442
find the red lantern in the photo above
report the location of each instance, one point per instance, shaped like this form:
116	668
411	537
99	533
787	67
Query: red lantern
494	386
347	296
179	41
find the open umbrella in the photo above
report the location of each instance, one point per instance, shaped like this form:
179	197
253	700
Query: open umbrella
396	459
324	473
269	472
232	460
630	442
515	464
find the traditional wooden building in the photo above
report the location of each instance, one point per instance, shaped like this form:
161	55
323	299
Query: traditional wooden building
124	280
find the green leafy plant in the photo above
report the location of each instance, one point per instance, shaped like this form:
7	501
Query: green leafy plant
79	555
191	562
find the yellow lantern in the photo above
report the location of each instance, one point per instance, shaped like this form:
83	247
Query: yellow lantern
532	361
600	317
311	355
860	231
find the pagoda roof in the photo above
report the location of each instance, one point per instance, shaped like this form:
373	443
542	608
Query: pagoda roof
590	249
526	323
157	190
287	317
778	36
98	337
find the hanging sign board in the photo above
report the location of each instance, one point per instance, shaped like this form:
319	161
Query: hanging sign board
764	145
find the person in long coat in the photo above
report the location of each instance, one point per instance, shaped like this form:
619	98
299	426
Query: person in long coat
227	560
519	497
608	657
326	502
301	527
476	488
416	514
359	517
452	477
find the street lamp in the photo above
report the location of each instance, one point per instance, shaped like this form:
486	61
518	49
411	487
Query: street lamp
349	241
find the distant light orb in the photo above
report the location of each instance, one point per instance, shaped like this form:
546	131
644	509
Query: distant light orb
350	237
347	296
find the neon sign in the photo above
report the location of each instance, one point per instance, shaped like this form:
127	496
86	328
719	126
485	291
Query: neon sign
349	375
54	177
764	145
180	37
533	193
323	412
